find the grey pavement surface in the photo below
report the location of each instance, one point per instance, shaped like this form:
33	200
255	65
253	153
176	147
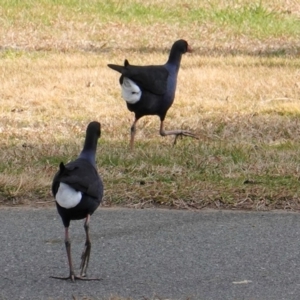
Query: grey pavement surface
152	252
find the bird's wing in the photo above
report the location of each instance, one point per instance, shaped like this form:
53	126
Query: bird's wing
150	78
81	176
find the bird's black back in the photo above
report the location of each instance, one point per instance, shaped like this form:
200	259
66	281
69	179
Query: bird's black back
149	78
152	80
82	176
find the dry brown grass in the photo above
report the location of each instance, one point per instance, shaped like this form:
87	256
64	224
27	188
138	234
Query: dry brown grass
240	98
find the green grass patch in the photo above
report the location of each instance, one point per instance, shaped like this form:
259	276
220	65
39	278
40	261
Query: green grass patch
253	19
256	20
218	174
244	106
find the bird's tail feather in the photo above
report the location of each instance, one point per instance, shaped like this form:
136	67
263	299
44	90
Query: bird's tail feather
131	92
116	68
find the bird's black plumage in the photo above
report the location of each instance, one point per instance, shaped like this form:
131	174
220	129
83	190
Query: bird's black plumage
156	85
153	79
83	177
78	191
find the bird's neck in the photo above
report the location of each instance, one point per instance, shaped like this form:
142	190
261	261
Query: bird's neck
90	156
89	149
174	59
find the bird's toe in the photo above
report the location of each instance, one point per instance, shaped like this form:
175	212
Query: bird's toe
190	134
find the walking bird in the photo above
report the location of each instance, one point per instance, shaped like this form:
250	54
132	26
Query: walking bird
150	90
78	190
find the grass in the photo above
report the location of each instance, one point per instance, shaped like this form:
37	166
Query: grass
239	91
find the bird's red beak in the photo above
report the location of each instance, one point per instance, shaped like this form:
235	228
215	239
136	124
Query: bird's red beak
189	49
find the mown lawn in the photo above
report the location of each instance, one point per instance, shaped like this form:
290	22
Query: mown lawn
238	91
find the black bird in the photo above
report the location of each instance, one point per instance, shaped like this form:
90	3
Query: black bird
150	90
78	190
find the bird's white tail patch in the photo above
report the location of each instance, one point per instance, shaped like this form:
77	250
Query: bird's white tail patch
131	93
66	196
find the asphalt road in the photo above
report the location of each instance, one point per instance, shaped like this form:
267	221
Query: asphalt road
152	252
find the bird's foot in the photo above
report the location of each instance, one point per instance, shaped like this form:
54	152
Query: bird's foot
74	277
184	133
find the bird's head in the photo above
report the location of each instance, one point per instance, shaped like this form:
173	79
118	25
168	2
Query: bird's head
94	128
182	46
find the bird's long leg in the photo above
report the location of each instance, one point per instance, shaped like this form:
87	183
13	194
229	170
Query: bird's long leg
72	275
85	256
68	249
177	133
132	132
